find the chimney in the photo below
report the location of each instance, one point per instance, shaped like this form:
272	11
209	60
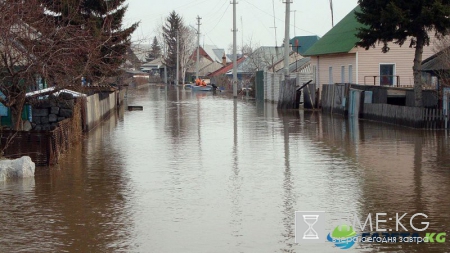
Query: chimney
224	60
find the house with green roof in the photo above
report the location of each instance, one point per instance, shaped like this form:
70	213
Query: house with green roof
301	44
336	59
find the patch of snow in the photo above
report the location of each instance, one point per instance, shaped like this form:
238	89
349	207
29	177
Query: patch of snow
18	168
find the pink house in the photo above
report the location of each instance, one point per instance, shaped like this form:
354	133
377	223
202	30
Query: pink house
337	60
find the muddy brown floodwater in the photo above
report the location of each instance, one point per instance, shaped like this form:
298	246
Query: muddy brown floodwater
197	172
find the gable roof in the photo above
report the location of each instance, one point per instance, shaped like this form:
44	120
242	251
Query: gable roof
262	57
297	65
279	65
141	51
226	68
215	53
436	62
340	39
301	44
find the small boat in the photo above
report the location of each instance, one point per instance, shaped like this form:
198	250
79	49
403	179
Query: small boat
201	88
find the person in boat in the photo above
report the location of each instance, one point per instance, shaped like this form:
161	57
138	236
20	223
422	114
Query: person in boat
203	83
198	82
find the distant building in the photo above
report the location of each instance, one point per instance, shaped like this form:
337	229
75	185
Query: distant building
211	58
301	44
141	51
153	67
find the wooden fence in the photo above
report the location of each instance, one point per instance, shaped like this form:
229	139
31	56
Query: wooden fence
334	98
44	147
406	116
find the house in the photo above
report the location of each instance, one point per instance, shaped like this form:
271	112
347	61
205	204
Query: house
302	65
336	59
220	76
153	67
259	59
212	53
279	65
141	51
226	68
211	58
301	44
436	69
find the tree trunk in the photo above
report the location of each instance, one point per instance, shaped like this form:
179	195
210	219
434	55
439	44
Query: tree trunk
417	71
288	91
16	113
183	74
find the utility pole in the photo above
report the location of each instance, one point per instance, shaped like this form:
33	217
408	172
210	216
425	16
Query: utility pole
234	51
274	24
294	11
164	62
242	36
198	46
178	53
332	15
165	74
286	38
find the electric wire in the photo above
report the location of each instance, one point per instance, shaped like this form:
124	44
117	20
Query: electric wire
255	6
219	20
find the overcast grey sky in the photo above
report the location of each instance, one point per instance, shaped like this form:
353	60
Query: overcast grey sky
254	18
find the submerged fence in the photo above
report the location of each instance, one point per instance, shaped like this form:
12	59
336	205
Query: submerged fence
370	103
44	147
334	98
272	83
406	116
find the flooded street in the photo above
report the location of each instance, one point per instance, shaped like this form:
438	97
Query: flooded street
194	172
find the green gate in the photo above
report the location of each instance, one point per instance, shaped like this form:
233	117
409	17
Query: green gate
259	92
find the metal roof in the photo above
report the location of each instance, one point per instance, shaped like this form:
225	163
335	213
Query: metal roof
437	62
340	39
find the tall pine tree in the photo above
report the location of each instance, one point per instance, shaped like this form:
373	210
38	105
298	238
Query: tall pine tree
155	50
104	19
173	25
399	21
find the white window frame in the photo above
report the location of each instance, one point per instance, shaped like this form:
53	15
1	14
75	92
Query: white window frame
394	78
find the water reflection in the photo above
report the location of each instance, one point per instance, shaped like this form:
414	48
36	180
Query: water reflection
236	183
290	126
198	172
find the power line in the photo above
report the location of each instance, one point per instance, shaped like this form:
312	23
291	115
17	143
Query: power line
262	23
219	19
273	15
213	13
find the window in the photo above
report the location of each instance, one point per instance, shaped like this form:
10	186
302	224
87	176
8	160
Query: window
342	74
330	75
350	73
387	73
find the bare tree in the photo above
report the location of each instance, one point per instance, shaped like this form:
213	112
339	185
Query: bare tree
187	46
34	49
